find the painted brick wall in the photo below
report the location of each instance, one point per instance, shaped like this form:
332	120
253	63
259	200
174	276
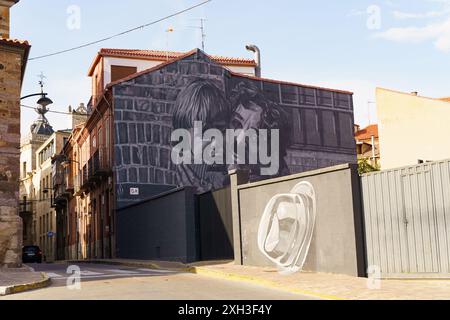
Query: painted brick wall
143	125
321	130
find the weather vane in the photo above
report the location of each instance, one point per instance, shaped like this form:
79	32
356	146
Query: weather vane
41	83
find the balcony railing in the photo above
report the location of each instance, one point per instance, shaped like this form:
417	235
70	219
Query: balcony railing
84	176
99	164
26	206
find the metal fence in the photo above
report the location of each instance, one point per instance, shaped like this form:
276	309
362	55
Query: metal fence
407	220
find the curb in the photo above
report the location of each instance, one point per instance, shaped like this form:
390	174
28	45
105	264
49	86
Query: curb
220	275
26	287
130	264
261	282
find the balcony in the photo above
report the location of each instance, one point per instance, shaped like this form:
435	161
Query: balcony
84	173
99	166
26	206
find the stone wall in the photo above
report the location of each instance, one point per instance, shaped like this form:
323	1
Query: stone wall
10	222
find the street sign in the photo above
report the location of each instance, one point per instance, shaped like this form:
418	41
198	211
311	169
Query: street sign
50	234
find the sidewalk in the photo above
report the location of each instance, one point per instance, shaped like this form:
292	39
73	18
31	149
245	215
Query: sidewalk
319	285
19	280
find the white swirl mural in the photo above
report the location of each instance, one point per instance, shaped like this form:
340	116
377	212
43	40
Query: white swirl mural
286	227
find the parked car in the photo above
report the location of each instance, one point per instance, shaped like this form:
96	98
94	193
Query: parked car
31	254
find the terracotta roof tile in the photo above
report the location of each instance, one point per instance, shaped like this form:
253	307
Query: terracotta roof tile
15	42
367	133
162	55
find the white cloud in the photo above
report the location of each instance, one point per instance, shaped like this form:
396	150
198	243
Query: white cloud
438	33
430	14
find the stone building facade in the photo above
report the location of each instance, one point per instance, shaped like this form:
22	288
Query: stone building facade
13	58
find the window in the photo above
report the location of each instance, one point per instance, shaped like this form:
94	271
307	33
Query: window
107	140
24	170
94	141
120	72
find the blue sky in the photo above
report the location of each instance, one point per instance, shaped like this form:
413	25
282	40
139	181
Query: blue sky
354	45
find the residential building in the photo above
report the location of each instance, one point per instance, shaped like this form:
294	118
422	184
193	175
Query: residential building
13	60
412	128
44	218
36	206
37	153
113	64
367	144
27	186
122	154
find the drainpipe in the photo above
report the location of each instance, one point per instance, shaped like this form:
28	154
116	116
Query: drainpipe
255	49
373	148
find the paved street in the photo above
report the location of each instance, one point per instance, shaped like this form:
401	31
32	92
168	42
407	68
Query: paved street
100	282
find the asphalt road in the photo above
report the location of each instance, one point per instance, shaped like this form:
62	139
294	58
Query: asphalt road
108	282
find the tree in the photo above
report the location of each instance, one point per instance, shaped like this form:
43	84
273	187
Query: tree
365	167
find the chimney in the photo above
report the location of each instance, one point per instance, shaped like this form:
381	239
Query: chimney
257	52
5	5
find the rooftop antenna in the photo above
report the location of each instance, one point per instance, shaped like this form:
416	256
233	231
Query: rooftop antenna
202	30
168	31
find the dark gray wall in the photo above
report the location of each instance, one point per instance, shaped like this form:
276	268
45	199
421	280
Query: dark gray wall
215	225
160	228
338	243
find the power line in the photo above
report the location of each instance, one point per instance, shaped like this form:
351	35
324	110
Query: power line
121	33
58	112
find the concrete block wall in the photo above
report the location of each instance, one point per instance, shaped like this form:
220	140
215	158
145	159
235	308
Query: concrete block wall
161	228
337	244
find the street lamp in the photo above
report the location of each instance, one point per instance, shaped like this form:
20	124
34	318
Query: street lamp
41	125
66	162
44	101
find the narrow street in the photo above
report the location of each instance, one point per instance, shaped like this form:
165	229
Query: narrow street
108	282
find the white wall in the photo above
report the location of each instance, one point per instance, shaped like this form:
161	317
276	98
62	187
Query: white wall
142	65
412	128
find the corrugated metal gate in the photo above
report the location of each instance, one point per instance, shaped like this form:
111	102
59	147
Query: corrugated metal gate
407	220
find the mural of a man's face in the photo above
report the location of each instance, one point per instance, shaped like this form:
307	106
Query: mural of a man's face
248	117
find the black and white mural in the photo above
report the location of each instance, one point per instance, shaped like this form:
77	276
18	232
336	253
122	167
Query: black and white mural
191	121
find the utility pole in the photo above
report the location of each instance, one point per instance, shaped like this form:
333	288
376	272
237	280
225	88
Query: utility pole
368	110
